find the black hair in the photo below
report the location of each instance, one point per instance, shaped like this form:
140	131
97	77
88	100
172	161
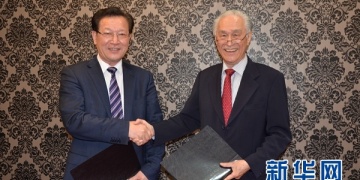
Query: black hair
110	12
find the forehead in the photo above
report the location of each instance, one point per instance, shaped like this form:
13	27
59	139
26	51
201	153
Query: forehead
231	23
115	23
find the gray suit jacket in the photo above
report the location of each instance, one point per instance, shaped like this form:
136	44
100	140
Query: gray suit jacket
259	125
85	112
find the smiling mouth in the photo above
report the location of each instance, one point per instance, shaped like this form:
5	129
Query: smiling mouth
114	49
230	50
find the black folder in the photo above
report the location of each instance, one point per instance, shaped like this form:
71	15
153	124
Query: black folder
199	158
117	162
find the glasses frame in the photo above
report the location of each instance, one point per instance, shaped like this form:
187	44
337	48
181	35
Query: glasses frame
226	40
110	35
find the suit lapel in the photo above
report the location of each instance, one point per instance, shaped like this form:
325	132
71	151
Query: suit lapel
247	88
97	76
129	88
215	81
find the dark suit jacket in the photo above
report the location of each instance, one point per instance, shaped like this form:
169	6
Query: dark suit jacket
258	128
85	112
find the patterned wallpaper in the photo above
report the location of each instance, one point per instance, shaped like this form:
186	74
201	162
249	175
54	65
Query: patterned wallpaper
315	43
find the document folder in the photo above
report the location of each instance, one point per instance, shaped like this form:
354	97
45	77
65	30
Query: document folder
117	162
199	158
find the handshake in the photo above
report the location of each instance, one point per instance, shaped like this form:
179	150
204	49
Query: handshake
140	131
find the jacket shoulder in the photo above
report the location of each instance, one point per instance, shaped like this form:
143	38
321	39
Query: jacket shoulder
267	70
128	65
212	68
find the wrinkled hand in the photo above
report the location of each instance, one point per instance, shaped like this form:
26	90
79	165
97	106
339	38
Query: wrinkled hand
140	131
139	176
239	168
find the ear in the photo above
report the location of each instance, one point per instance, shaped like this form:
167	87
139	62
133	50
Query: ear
94	35
249	38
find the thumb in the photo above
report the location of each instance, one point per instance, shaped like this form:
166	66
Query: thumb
137	121
225	164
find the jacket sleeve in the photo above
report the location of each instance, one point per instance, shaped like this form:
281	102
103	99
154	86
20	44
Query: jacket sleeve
153	153
278	134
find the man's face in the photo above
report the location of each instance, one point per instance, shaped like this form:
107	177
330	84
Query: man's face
232	39
113	39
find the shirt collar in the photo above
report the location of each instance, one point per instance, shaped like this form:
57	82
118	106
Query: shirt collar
104	65
239	67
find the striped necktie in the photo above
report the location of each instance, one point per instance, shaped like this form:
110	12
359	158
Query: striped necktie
115	96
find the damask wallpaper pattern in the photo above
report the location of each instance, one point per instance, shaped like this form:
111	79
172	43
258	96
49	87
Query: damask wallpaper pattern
315	43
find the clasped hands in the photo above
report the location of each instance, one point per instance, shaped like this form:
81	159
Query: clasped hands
140	131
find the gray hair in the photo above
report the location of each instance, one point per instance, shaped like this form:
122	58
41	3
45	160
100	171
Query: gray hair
248	23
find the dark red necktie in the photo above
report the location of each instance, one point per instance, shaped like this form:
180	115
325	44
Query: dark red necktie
226	97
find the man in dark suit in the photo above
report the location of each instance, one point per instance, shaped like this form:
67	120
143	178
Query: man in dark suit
85	103
254	120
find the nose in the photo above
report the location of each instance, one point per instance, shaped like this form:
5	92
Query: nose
229	40
115	38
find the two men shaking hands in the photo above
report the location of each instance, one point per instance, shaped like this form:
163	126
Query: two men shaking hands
140	131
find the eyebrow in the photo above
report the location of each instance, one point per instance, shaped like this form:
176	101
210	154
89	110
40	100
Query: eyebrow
121	30
234	31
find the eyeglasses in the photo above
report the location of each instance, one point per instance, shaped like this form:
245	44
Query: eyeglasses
234	38
110	35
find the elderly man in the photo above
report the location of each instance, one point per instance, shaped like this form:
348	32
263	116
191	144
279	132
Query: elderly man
243	101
